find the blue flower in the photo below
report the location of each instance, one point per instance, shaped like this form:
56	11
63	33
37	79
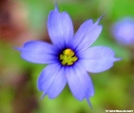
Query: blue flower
123	31
69	57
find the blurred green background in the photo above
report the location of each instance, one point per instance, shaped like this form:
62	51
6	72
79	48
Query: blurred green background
24	20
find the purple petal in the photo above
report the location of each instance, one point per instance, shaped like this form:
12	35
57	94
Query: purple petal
58	84
60	27
52	80
79	83
47	76
97	59
87	34
38	52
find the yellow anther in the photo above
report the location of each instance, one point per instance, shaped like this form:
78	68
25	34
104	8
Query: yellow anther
68	52
68	57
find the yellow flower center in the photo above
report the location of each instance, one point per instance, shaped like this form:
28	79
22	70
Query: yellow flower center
68	57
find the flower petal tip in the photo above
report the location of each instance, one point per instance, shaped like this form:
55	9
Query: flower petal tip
42	96
56	7
99	19
18	48
118	59
89	103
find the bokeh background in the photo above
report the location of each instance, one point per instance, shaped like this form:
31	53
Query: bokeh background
25	20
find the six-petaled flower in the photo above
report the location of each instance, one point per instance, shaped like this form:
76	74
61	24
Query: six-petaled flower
69	57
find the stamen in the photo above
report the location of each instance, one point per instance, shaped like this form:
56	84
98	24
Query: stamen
68	57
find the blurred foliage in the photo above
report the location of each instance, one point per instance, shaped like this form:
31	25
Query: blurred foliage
114	88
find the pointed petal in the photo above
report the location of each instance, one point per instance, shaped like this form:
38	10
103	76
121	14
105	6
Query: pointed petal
52	80
58	84
38	52
97	59
87	34
60	27
79	83
47	76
